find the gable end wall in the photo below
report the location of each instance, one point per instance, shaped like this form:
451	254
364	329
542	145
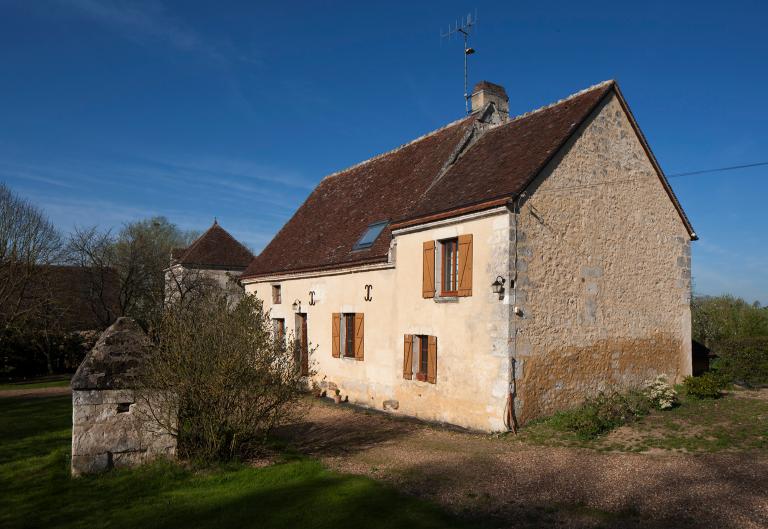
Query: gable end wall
604	272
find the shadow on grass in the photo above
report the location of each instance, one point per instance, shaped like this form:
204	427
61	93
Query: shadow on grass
38	491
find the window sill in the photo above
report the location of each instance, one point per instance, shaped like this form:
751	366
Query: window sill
446	299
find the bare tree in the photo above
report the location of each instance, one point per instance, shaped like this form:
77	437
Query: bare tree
28	242
139	253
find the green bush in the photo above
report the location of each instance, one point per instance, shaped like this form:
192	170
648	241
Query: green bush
744	361
707	386
602	413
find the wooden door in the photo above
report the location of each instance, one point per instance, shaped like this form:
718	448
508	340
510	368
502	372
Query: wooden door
301	335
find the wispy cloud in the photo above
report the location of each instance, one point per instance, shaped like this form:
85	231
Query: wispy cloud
149	21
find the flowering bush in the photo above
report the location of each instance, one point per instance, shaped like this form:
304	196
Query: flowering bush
660	393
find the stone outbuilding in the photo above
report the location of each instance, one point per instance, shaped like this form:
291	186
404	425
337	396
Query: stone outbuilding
214	256
111	426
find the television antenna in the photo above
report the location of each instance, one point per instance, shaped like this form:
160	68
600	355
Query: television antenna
463	27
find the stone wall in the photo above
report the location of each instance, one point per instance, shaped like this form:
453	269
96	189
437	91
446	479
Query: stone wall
113	429
604	272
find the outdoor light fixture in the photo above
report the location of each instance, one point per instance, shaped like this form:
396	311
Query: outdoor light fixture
297	306
498	286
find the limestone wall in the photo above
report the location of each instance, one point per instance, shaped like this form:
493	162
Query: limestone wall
604	279
112	429
472	332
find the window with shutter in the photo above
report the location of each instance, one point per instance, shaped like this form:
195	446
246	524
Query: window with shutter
276	295
420	358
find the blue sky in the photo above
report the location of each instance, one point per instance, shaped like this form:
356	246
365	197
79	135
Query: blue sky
116	110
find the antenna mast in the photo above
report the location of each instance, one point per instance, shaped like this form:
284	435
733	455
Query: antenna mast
464	28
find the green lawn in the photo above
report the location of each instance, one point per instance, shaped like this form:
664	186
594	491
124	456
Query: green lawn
737	421
38	492
45	382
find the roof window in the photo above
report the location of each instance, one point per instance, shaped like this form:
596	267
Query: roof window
370	235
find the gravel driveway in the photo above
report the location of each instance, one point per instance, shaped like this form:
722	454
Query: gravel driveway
499	481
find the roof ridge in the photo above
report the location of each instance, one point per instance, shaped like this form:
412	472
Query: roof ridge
398	148
563	100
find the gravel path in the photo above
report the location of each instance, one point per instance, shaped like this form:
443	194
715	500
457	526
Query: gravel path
503	482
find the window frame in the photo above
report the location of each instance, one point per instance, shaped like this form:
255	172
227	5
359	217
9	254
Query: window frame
277	294
348	321
380	226
278	326
423	361
447	274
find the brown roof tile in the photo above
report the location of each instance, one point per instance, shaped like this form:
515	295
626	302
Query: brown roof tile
216	247
423	179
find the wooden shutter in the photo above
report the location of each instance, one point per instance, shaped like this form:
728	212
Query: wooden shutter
408	357
335	334
465	265
428	272
359	341
432	359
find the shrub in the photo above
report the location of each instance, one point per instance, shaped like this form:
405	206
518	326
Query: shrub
660	393
602	413
707	386
219	379
744	361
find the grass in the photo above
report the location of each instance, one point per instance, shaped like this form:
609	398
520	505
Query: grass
738	421
44	382
297	492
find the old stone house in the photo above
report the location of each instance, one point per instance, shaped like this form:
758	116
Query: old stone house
214	256
496	269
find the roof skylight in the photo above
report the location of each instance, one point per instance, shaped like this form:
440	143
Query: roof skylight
370	235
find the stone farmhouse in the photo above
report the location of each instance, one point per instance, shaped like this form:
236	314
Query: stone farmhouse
492	271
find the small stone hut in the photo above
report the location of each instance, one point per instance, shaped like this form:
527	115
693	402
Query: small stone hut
111	426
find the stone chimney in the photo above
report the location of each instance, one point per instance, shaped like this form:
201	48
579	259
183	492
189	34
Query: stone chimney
485	92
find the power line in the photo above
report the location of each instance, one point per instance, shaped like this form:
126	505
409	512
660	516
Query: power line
717	170
626	181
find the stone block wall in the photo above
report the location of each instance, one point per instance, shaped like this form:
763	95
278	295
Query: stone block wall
603	272
114	429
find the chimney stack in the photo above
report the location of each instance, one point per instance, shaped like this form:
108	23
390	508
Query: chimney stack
485	92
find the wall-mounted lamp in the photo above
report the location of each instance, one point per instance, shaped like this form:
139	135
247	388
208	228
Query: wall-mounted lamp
498	286
312	298
297	306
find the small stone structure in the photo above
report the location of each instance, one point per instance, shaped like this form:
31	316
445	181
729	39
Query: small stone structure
110	424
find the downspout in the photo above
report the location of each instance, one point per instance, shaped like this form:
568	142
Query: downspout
509	417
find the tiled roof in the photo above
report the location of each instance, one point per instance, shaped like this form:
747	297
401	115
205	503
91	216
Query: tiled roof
466	164
216	247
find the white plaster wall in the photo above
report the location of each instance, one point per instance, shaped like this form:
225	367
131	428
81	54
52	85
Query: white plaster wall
472	333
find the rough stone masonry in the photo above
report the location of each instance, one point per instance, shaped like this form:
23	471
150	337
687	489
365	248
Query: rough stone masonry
111	426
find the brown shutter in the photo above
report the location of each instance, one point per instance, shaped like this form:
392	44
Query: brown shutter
408	357
335	336
432	359
465	265
428	272
359	341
